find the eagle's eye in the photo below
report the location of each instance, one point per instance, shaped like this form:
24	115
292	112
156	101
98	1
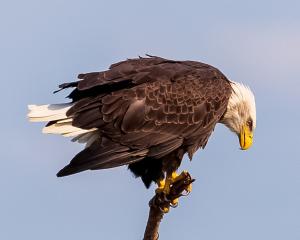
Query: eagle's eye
250	124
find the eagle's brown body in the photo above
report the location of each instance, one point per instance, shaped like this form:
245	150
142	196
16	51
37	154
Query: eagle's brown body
148	113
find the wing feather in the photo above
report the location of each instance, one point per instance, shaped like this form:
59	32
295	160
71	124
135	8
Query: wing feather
146	107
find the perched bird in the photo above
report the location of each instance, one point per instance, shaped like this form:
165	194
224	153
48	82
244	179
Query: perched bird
147	113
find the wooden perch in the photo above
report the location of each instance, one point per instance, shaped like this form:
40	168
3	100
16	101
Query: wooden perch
161	201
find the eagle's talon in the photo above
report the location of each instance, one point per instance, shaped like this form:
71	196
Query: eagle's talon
185	193
174	203
164	209
164	198
187	190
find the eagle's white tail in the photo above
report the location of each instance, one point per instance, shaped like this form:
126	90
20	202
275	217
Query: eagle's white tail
49	112
57	113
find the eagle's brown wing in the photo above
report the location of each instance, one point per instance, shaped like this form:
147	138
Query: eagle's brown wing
146	107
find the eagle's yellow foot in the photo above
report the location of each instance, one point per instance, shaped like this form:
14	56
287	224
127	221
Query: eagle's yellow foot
164	187
165	195
181	176
165	184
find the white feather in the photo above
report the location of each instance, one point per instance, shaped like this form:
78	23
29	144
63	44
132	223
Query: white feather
241	106
49	112
56	112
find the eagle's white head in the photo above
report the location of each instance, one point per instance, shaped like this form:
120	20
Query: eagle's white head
240	116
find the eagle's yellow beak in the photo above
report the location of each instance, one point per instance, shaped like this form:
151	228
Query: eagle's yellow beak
246	137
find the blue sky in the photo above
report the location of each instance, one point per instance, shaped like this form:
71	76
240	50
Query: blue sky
245	195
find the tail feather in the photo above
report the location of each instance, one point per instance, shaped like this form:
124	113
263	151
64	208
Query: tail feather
49	112
56	115
65	129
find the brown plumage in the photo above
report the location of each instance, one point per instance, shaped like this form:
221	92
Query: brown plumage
148	113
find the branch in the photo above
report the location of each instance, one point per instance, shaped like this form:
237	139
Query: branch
161	201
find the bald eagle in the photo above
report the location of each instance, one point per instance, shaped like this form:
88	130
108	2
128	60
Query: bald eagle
147	113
